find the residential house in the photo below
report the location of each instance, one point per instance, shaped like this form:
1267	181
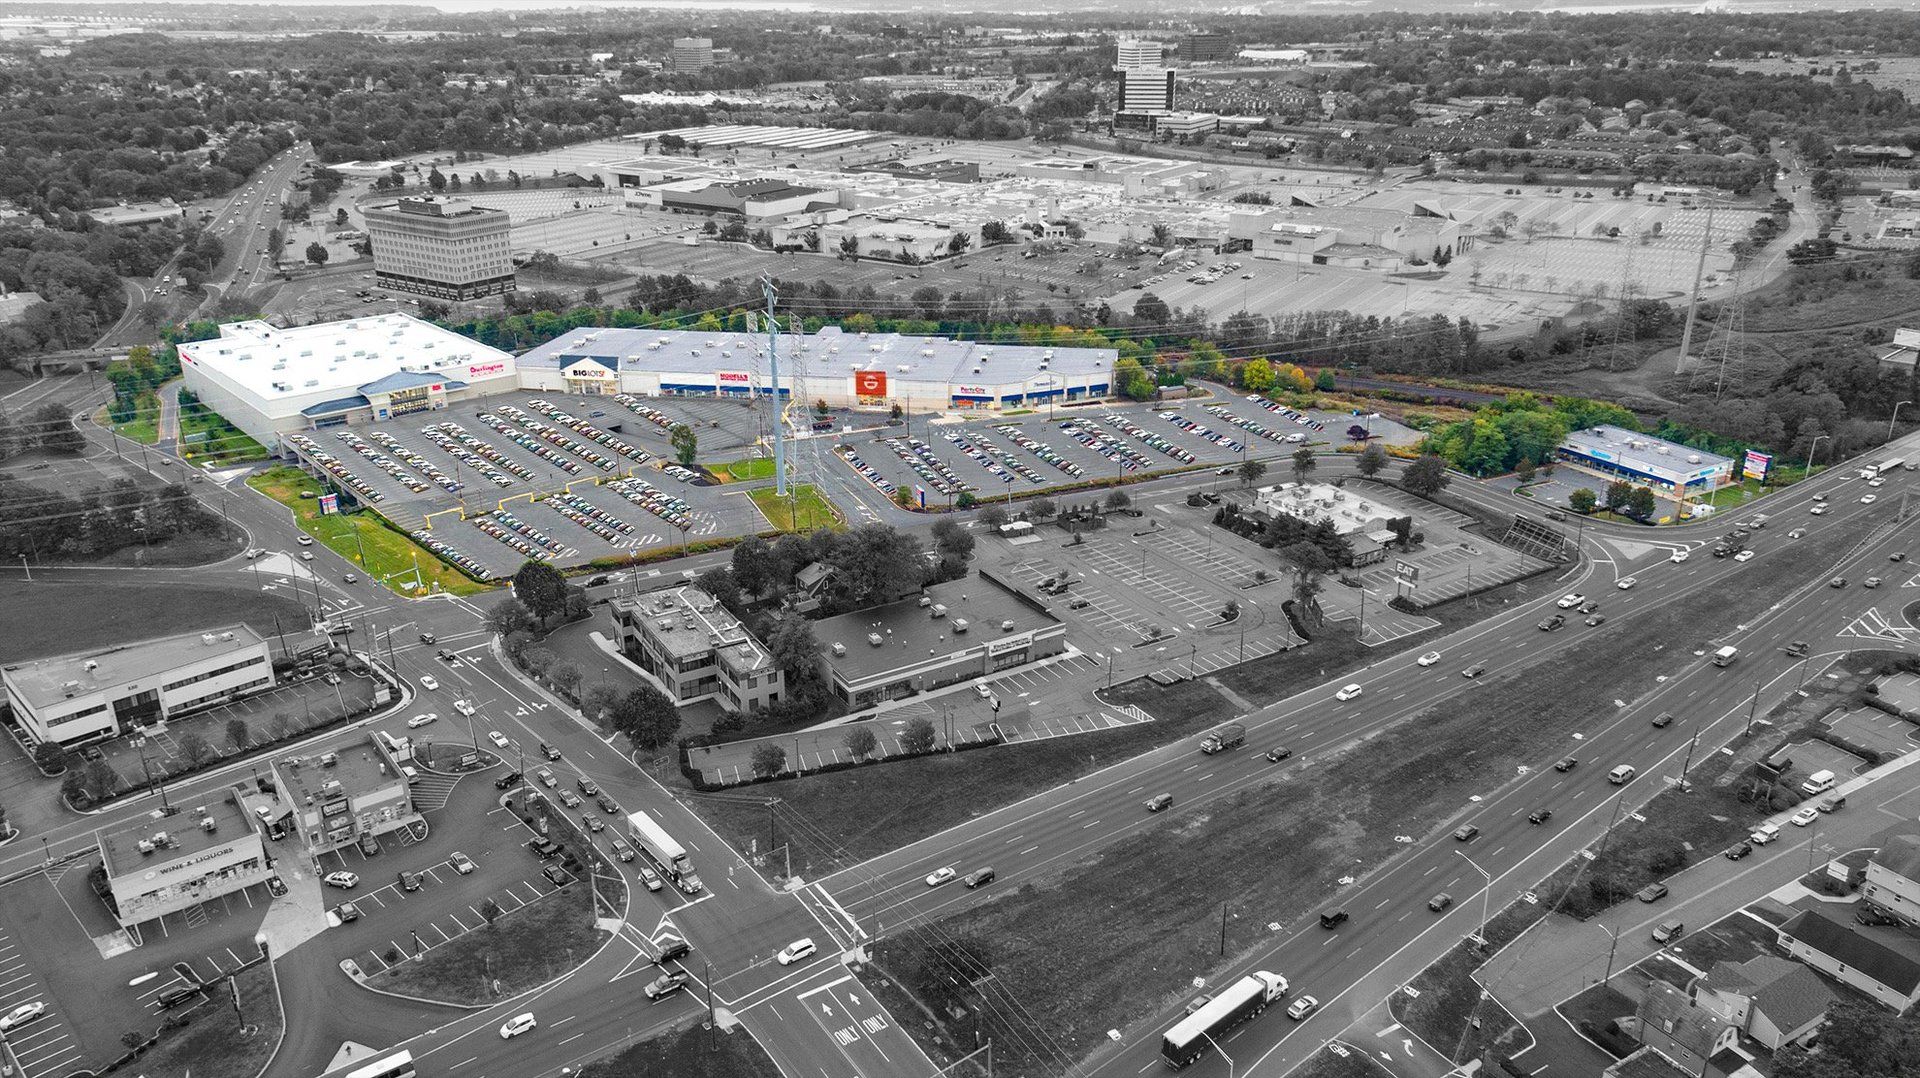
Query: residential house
1893	870
1882	962
1671	1025
1772	1000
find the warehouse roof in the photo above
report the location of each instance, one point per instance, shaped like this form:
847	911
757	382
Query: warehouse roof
274	363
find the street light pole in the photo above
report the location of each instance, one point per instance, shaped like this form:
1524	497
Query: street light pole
1485	890
1222	1051
1615	938
1895	419
1817	439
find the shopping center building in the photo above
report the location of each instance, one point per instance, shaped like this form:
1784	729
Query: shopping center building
165	862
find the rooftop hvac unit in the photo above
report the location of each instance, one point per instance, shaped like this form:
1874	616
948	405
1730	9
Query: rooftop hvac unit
70	688
1693	458
839	648
1007	624
209	824
939	610
959	625
926	600
145	848
875	639
207	639
331	786
92	665
928	352
328	759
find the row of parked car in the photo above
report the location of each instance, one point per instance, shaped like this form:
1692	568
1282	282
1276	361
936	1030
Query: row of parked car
555	438
996	461
871	474
393	445
530	444
1038	448
591	517
449	554
332	466
588	430
1277	408
927	464
1200	431
381	461
656	501
475	453
1084	432
1248	425
1141	433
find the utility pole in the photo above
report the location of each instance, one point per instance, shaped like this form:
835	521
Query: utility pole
773	368
1223	929
1751	707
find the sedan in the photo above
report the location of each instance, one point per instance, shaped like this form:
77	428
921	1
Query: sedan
1302	1007
1597	619
463	707
1274	756
1429	658
1625	582
1837	582
1571	600
517	1025
1652	892
21	1015
1540	816
1744	555
429	682
1550	624
499	739
1898	555
1869	499
1566	763
461	863
1796	533
1804	817
607	804
569	798
1159	802
1348	693
1870	582
1466	833
1820	510
421	720
1474	671
1665	718
593	824
1679	556
795	951
1738	850
346	881
940	876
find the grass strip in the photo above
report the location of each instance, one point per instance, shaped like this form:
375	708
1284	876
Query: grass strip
743	470
519	950
213	1044
804	510
388	553
688	1053
144	427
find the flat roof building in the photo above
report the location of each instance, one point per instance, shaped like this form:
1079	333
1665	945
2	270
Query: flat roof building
94	695
1615	453
844	369
691	54
163	863
953	632
694	650
1365	525
1144	89
270	381
337	798
442	247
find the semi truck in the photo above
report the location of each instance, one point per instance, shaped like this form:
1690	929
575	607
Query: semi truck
1197	1033
1232	735
1725	656
667	855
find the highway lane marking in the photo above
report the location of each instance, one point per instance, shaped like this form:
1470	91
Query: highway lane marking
575	1037
565	1020
1017	838
1088	824
1027	851
463	1063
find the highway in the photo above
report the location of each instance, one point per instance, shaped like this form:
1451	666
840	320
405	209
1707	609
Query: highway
813	1019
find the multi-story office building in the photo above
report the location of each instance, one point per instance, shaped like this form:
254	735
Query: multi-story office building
691	54
446	248
166	862
1205	48
94	695
1145	89
1139	54
694	650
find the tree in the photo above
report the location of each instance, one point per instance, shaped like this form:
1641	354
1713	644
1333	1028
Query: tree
196	749
1042	507
1641	503
564	676
1303	464
793	648
1151	310
1426	476
850	248
769	760
490	912
541	587
50	757
993	232
509	616
952	542
1619	493
1582	501
1256	374
317	253
918	738
686	444
276	242
646	716
597	702
959	243
993	516
1525	470
1323	380
237	734
1117	500
1251	470
1859	1040
1358	433
1372	460
860	742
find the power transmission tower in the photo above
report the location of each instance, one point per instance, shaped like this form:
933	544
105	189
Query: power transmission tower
1727	336
1693	304
773	368
1627	289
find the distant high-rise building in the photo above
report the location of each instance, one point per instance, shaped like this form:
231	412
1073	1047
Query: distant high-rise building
1145	89
692	53
1140	54
1205	48
441	247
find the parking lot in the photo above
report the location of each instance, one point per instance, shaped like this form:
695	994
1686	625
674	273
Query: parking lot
464	478
46	1045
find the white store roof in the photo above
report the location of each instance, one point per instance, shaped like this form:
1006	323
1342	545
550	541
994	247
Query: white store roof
274	363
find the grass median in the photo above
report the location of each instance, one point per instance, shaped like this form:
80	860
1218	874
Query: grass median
388	553
214	1044
519	950
740	471
207	438
1346	1063
688	1053
804	510
144	426
1275	851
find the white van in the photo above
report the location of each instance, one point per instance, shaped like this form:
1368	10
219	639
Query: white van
1818	783
1621	775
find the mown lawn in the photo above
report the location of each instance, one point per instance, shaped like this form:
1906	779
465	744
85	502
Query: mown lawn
224	443
804	510
144	427
212	1044
388	553
688	1053
742	470
522	949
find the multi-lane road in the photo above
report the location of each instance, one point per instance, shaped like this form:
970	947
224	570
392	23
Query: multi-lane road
815	1019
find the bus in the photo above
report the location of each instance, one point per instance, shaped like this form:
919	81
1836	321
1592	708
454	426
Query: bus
397	1065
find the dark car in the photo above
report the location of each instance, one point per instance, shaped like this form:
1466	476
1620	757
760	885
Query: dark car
1474	671
1333	918
276	886
173	997
1589	607
544	847
1159	802
556	875
1277	755
1566	763
507	780
666	983
1440	902
1652	892
1874	915
607	804
1550	624
549	751
1466	833
409	881
1540	816
977	878
1738	850
1664	719
588	786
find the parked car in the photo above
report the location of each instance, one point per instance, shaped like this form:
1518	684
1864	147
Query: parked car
461	863
409	881
1668	930
1805	816
346	881
347	912
21	1015
556	875
507	780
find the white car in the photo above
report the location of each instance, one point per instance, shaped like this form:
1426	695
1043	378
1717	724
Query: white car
1679	556
1302	1007
346	881
418	721
499	739
1876	481
429	682
1818	510
306	555
795	951
1571	600
463	707
1744	555
1348	693
1625	582
305	540
941	876
985	693
21	1015
1804	817
1429	658
1869	499
517	1025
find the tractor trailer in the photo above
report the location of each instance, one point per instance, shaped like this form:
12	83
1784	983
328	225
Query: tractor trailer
1197	1033
1232	735
667	855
